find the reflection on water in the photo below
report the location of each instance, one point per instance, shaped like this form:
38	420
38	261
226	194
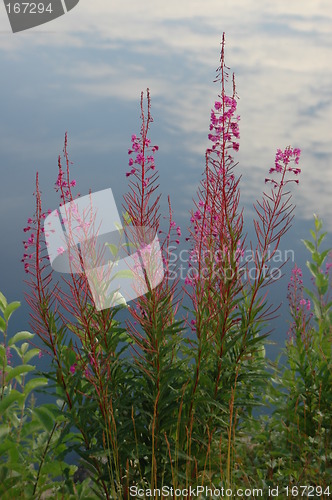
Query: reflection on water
84	73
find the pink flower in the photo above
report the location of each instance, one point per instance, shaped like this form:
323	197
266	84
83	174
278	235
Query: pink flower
9	355
60	250
139	159
73	368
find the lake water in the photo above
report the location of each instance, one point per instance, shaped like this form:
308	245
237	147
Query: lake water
84	72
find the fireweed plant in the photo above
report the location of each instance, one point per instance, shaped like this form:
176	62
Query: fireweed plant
293	446
166	399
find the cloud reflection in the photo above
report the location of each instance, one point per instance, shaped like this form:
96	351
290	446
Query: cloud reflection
106	51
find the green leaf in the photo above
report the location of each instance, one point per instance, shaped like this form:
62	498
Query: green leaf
318	224
30	354
310	246
126	218
9	399
23	335
322	283
71	357
119	228
321	238
33	384
323	255
24	348
313	234
17	371
113	248
46	417
3	302
2	352
10	309
125	273
313	269
4	430
316	257
3	325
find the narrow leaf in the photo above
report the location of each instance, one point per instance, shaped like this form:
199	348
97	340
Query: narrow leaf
9	399
23	335
17	371
313	234
125	273
30	354
113	248
310	246
3	325
45	417
3	302
33	384
321	238
313	269
10	309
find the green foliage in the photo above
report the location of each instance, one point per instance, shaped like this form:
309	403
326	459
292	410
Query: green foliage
30	446
151	421
293	446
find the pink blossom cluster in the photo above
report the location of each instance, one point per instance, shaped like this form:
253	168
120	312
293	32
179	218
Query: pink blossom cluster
305	303
284	162
141	155
296	286
299	306
34	225
224	127
62	184
224	135
175	230
178	231
30	243
296	276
